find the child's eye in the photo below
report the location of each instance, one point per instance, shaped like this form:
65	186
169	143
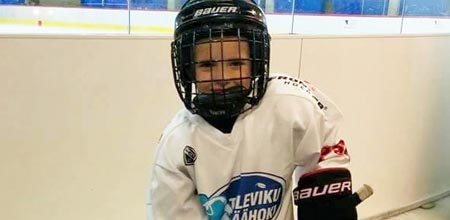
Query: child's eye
206	64
236	63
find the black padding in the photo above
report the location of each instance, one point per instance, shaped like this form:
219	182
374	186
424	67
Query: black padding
326	195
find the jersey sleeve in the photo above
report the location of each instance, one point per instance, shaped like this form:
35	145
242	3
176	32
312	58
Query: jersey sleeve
172	191
173	196
324	184
314	119
320	145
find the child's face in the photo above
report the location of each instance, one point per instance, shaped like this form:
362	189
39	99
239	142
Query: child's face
223	65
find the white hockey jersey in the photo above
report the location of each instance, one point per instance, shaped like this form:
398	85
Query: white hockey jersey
201	173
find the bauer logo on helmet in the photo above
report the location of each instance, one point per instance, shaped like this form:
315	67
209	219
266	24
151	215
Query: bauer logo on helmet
214	10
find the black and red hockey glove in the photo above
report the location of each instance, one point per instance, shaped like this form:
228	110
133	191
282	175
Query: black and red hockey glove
326	195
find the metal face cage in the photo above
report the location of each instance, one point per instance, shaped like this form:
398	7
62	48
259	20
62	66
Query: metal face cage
202	59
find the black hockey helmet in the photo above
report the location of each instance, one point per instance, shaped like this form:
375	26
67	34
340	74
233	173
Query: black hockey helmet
213	21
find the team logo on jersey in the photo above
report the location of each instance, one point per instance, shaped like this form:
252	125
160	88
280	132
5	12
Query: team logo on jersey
248	196
189	156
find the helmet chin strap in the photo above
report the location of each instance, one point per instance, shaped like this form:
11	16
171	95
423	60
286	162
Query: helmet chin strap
224	105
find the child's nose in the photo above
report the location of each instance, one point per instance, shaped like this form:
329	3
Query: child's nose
222	71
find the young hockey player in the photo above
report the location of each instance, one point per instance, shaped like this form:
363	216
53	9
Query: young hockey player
231	152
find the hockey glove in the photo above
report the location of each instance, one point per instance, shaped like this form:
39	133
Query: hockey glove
326	195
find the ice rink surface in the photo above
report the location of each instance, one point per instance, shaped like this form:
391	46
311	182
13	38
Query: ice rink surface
441	211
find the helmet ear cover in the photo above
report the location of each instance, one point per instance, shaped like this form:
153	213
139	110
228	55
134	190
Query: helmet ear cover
192	30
